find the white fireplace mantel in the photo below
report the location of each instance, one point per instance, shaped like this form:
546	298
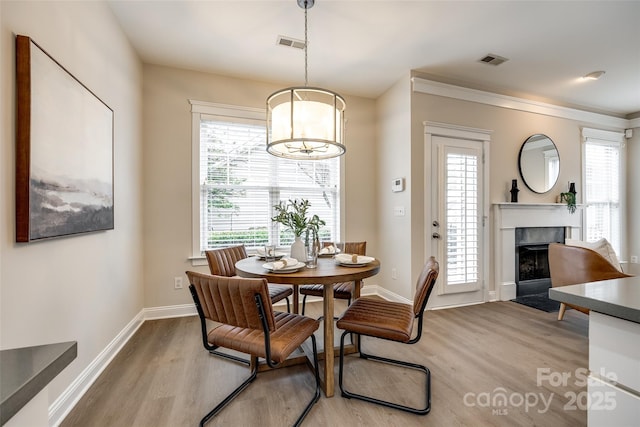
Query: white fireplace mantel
508	217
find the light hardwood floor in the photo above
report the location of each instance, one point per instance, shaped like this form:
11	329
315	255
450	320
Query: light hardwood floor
164	377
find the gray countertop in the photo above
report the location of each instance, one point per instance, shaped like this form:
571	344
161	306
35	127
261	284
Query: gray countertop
24	372
616	297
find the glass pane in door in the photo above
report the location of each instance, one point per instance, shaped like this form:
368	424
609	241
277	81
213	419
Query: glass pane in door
461	218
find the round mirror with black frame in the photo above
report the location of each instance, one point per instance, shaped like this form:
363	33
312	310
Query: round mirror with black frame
539	163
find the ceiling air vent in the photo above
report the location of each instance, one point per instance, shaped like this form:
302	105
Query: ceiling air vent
290	42
493	59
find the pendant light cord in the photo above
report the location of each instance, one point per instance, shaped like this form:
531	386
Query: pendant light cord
306	79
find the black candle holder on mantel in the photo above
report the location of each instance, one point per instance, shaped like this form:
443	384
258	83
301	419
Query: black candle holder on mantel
514	191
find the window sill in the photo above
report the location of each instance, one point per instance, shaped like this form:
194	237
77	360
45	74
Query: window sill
197	261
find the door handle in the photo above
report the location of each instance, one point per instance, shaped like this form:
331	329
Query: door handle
436	235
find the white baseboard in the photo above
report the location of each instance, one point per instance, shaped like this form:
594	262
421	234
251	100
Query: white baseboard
507	291
182	310
390	296
446	307
386	294
61	407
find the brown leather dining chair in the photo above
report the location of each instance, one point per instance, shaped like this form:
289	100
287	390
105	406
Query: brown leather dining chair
222	262
391	321
342	290
249	325
570	265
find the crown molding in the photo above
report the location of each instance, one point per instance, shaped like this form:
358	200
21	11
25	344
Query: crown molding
430	87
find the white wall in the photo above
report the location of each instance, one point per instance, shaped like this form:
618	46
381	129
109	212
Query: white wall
167	166
85	288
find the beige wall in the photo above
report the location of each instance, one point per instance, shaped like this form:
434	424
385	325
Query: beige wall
85	288
400	111
167	166
510	129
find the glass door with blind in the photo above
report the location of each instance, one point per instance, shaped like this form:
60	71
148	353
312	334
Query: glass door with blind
457	218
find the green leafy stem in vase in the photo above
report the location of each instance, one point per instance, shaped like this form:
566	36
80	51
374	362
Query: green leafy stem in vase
293	215
570	199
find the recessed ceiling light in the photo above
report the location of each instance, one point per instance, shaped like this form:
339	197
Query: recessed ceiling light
595	75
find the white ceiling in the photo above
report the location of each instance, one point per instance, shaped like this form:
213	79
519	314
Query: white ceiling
363	47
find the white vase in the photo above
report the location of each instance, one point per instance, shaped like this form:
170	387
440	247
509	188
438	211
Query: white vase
298	250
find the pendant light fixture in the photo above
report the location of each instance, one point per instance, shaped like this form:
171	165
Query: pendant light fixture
305	123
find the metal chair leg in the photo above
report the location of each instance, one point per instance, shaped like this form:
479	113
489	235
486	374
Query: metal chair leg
288	306
316	395
349	395
254	373
230	397
304	301
230	357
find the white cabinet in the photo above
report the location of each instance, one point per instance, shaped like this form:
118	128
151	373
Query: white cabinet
614	365
610	406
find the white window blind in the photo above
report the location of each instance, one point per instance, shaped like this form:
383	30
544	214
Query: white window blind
461	182
602	191
240	183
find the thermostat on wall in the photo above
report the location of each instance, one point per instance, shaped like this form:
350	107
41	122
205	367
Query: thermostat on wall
397	185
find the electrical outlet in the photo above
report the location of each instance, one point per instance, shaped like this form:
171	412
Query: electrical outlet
634	259
177	283
394	274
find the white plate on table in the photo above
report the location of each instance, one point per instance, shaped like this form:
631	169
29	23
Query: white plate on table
287	269
361	262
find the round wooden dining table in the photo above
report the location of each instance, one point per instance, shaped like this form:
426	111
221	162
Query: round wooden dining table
326	273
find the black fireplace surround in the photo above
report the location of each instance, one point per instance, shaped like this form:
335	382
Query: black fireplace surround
532	261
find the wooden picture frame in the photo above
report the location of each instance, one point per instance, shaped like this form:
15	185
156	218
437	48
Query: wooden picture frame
64	150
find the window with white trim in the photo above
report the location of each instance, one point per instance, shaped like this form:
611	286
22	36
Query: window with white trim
603	186
237	183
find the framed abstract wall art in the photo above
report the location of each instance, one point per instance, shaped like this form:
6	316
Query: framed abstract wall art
64	150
